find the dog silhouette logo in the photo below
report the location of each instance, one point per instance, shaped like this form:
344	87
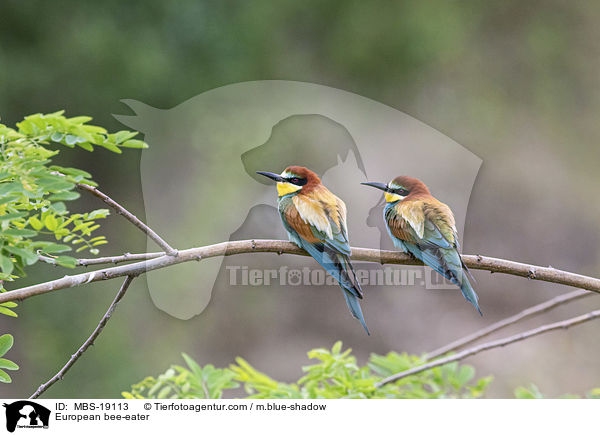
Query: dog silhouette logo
200	185
26	414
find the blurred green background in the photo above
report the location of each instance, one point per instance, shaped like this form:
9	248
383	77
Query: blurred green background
515	82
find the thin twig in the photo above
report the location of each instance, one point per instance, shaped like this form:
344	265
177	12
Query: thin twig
61	373
491	345
548	274
529	312
108	260
130	217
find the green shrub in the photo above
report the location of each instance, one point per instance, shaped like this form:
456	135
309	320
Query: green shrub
335	374
533	392
34	193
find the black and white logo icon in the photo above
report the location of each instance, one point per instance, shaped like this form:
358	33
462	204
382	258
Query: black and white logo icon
26	414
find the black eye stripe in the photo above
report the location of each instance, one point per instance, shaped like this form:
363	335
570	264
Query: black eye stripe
297	181
401	191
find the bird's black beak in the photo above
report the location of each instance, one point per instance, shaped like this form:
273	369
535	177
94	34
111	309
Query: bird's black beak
271	175
379	186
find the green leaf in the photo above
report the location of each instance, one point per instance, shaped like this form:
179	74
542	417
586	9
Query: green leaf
7	199
8	188
528	393
7	312
6	264
163	392
193	365
465	374
20	232
55	184
4	377
55	248
111	147
124	135
71	171
71	139
28	257
336	347
12	216
64	196
6	342
100	213
135	143
94	129
57	137
66	261
51	222
8	365
35	223
58	207
86	146
80	119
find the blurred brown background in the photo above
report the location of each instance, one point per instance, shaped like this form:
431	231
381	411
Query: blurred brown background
514	82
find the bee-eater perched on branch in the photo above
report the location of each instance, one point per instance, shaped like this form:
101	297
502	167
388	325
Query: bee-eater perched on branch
315	220
421	225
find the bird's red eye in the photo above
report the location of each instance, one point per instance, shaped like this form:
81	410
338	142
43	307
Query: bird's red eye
295	180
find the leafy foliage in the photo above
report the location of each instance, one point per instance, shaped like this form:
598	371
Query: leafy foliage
533	392
6	342
194	382
33	193
334	375
34	218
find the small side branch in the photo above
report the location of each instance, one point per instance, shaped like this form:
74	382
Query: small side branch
130	217
61	373
492	345
529	312
108	260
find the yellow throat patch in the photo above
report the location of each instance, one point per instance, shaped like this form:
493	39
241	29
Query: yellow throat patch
286	188
393	197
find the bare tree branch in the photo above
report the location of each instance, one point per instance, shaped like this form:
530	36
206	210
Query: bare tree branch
282	247
130	217
491	345
529	312
154	261
61	373
108	260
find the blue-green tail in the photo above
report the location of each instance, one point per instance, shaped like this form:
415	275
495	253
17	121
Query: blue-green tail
354	307
467	290
448	263
339	267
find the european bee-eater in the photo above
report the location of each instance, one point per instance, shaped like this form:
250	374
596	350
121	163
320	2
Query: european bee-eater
421	225
315	220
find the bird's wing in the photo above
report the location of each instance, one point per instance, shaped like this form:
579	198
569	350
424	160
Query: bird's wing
320	223
442	219
438	244
428	224
441	216
294	221
324	215
427	230
406	221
